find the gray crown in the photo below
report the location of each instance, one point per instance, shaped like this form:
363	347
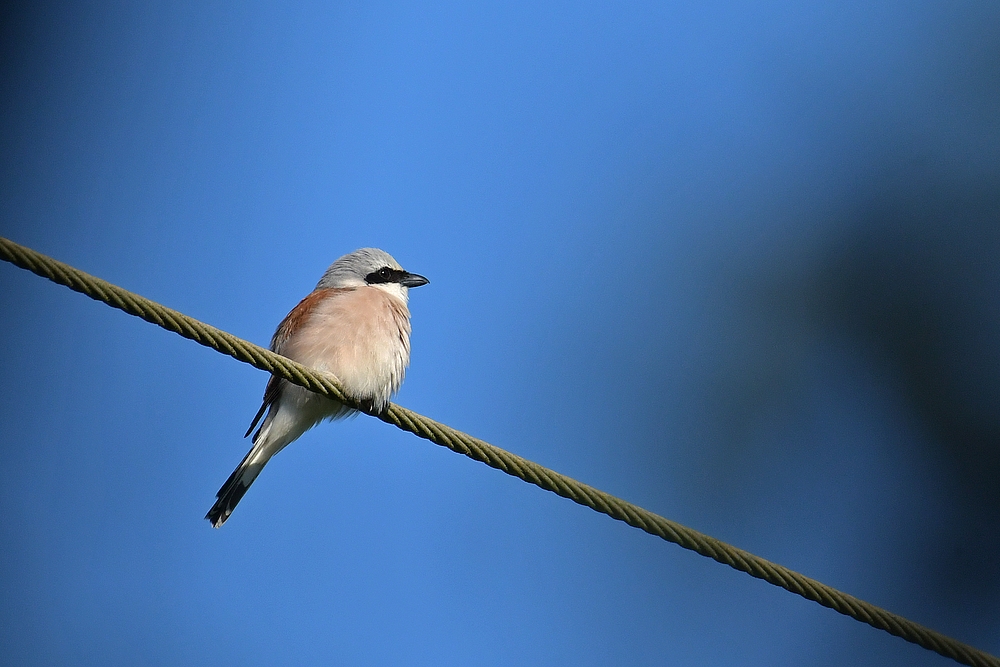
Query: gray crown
351	269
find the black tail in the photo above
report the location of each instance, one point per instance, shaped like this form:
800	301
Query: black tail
233	490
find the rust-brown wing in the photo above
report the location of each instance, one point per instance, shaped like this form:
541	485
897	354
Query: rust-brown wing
293	320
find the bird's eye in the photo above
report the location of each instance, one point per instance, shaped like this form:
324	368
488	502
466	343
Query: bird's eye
384	275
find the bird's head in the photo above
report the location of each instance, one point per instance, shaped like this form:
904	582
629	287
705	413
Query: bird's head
371	267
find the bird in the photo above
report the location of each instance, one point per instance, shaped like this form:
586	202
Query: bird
355	325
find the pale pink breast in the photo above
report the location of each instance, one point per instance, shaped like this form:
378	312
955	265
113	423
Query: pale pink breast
360	335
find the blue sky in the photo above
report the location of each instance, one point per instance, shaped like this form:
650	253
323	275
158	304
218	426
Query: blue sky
734	262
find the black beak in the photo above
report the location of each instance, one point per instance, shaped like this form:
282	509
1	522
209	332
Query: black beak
412	280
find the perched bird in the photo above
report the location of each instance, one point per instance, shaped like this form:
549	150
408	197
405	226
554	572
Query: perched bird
355	325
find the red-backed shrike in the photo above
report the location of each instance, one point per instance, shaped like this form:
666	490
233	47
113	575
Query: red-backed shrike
355	325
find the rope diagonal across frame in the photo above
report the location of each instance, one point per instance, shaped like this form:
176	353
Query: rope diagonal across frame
481	451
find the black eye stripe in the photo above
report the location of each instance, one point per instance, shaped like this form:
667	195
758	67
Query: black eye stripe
385	275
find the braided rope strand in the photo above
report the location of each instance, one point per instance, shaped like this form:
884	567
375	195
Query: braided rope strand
482	451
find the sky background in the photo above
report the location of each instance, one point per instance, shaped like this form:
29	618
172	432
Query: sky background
734	262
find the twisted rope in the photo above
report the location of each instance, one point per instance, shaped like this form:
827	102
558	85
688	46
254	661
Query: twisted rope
481	451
